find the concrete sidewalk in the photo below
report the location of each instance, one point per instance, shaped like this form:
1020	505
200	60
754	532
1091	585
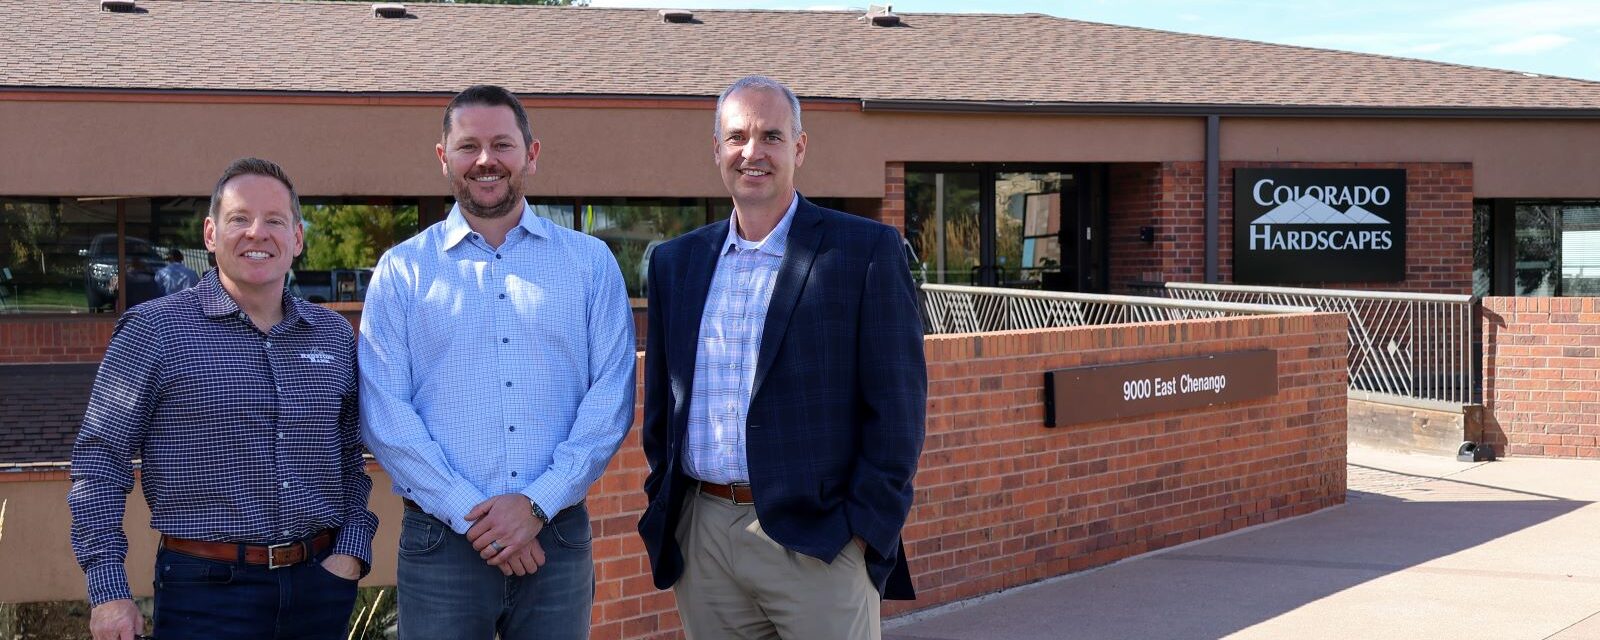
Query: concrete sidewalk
1425	547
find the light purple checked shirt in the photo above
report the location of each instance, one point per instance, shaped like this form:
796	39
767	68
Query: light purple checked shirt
725	357
487	371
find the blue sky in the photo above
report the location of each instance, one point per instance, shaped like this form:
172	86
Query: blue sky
1554	37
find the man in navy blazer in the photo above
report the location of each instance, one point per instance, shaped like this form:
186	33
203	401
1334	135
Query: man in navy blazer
785	395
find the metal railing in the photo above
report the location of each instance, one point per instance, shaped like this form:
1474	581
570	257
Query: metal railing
962	309
1412	345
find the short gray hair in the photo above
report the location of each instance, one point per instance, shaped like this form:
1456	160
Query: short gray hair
759	82
253	167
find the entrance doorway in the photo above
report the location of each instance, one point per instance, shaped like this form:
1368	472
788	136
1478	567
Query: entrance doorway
1006	225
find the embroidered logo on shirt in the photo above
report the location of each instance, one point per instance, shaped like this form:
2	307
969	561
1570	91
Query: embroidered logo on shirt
317	357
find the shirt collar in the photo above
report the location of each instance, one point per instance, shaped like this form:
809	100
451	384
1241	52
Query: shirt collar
216	303
456	228
774	244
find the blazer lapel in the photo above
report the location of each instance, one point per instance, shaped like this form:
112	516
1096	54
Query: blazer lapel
805	233
693	285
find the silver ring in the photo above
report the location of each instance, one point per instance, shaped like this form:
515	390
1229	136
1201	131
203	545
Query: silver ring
495	544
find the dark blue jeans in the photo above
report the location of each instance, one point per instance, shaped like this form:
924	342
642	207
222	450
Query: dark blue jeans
447	591
207	599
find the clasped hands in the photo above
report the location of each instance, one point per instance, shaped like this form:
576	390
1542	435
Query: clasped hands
505	534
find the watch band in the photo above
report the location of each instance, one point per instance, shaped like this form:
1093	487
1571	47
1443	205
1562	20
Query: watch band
539	513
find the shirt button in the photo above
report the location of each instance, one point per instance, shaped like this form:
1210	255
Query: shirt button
279	388
505	340
280	435
502	296
508	383
497	256
511	429
286	484
267	344
285	533
513	474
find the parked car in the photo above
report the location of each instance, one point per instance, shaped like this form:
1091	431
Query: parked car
100	278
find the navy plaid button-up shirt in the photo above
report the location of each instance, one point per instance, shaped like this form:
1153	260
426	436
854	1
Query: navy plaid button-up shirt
245	437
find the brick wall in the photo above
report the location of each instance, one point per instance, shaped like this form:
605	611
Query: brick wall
54	339
1001	501
1438	223
893	210
1541	376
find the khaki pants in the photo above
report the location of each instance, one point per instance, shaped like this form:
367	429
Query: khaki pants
739	583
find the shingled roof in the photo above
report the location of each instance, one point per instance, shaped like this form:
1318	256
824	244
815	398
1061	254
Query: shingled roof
276	46
42	405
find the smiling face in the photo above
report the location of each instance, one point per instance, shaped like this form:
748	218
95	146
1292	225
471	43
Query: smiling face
757	149
254	235
486	160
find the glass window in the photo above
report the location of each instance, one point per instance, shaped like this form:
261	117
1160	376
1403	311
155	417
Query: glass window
1027	226
633	227
1536	250
942	224
343	241
1580	250
1482	248
59	255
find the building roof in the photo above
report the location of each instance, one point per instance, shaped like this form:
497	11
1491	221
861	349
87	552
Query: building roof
278	46
41	406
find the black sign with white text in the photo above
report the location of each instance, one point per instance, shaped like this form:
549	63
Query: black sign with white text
1319	225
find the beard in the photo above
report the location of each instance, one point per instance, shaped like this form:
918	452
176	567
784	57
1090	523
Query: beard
512	201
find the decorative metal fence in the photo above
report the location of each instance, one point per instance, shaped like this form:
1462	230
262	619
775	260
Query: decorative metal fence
962	309
1412	345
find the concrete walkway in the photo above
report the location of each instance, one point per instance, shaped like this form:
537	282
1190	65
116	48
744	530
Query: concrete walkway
1425	547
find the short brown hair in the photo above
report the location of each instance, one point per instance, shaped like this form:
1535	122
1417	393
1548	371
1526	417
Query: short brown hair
253	167
488	95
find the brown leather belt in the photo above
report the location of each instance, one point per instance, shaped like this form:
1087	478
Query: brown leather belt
738	492
412	506
274	556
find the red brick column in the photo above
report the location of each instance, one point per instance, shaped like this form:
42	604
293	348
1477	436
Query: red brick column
893	211
1541	376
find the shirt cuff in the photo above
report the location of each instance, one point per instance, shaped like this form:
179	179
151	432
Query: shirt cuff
544	493
108	581
460	500
356	542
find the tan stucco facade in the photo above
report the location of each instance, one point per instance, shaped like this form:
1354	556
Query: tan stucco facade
83	145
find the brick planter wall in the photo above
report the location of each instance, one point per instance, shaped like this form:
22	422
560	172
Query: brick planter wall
1001	501
1541	376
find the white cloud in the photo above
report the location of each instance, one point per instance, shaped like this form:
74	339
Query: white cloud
1532	44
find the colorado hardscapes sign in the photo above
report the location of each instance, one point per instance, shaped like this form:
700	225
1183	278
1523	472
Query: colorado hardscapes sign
1124	390
1319	225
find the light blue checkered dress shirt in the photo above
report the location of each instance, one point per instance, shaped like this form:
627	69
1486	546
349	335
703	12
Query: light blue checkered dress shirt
725	357
489	371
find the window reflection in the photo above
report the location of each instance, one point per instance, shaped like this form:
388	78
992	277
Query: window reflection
942	224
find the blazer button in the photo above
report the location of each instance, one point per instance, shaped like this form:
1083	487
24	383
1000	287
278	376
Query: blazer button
754	426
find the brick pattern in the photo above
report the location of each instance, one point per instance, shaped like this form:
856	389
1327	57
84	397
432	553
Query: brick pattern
1002	501
893	210
1541	376
54	339
41	406
1438	223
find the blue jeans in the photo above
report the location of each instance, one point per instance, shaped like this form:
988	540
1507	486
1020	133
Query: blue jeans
208	599
447	591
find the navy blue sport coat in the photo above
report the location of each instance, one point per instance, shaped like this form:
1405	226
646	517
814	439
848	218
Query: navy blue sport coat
838	403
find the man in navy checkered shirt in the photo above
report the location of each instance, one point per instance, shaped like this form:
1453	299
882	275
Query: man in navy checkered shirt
241	401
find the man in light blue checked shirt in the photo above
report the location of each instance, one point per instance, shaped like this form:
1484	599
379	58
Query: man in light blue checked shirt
497	380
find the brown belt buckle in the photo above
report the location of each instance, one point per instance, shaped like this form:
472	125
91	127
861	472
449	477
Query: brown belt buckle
272	555
733	492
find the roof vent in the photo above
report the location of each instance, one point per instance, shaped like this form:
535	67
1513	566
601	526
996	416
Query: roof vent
388	10
677	16
881	15
118	6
